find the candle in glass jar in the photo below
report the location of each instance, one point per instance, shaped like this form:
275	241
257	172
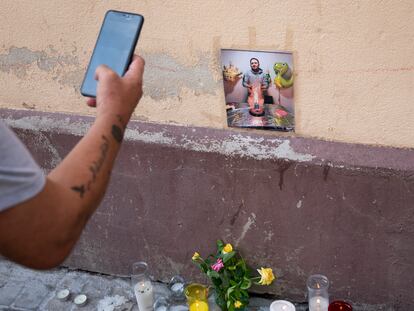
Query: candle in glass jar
282	305
199	305
318	303
339	305
145	295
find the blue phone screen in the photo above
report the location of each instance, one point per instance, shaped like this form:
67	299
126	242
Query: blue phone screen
114	45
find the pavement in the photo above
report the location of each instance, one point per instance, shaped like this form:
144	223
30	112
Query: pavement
23	289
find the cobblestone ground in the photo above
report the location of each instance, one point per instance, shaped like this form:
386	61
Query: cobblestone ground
23	289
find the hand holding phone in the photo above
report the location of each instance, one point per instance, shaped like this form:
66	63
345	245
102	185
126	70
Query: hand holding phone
114	47
118	96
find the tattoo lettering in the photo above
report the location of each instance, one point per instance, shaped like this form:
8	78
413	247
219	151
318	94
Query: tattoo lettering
94	168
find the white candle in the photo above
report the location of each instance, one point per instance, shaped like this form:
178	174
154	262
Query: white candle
318	303
282	305
63	294
80	300
145	295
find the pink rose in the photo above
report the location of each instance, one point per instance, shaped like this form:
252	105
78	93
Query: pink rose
218	265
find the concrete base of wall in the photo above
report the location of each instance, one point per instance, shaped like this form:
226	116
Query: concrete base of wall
301	206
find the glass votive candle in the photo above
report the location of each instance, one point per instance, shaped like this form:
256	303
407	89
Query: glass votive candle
176	286
142	286
339	306
318	296
161	304
197	296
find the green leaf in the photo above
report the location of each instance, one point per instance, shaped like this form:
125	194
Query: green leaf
228	256
204	267
230	290
237	294
228	303
246	284
220	244
212	274
232	283
216	281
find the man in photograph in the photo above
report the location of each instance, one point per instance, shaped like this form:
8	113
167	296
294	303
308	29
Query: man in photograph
255	76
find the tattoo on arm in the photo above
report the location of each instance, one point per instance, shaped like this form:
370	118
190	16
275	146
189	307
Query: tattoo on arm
117	133
80	189
94	169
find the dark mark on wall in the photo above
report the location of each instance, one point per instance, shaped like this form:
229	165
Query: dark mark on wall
326	169
236	215
282	167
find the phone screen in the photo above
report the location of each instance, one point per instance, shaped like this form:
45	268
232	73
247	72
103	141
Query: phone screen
114	47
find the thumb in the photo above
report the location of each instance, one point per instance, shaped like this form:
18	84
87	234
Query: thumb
135	70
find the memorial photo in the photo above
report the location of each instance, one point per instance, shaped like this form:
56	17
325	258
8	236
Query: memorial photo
258	89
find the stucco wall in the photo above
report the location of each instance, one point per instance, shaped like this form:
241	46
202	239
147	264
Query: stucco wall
353	60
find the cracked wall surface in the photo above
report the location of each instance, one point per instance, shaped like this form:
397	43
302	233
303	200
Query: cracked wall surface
353	60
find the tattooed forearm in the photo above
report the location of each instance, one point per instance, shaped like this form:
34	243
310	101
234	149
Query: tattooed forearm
94	168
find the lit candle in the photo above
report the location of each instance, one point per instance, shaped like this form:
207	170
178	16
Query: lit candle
339	305
318	303
199	305
282	305
196	295
318	296
145	295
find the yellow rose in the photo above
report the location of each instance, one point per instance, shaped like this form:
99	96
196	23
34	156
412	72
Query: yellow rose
196	256
227	248
267	276
237	304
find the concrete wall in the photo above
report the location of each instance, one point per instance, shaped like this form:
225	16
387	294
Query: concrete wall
298	205
353	60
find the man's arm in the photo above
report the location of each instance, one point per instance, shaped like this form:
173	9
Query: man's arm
41	232
245	81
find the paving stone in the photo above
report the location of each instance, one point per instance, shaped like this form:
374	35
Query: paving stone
9	292
33	294
2	308
57	305
23	289
73	281
5	268
97	287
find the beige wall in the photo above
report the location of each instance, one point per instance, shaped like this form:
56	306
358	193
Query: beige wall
354	60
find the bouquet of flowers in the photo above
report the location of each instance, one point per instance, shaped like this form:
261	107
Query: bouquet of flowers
231	277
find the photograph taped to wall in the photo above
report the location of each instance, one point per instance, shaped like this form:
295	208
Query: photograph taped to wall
258	89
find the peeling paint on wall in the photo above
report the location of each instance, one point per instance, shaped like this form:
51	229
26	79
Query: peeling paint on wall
233	145
247	226
63	67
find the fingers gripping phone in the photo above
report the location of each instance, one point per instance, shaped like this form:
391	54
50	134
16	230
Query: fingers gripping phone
114	47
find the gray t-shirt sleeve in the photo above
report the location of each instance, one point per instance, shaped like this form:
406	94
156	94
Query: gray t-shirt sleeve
20	177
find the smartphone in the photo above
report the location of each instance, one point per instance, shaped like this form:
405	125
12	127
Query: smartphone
114	47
